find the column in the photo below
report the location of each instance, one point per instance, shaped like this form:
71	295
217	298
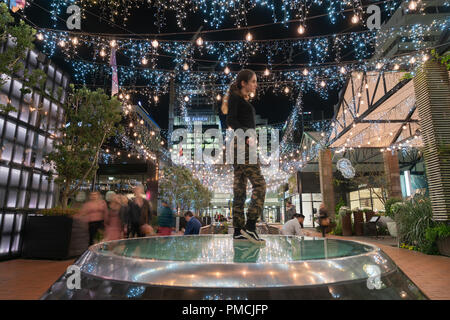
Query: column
326	180
432	90
392	173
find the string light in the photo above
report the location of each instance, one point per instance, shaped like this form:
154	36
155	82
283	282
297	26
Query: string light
355	19
199	41
40	36
305	72
102	53
396	67
425	57
218	97
266	72
249	37
412	5
323	84
185	67
155	43
144	61
186	99
113	43
75	40
62	43
301	29
226	70
156	98
412	60
286	90
343	70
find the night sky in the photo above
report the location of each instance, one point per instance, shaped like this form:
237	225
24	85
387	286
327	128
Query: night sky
275	108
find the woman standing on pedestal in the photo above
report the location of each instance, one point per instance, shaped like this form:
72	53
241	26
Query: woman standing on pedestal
241	115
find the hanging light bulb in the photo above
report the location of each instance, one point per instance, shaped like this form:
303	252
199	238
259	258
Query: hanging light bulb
425	57
135	134
379	65
199	41
218	97
131	124
186	99
62	43
141	122
75	40
113	43
305	72
412	60
249	36
162	143
144	61
185	67
102	53
156	98
286	90
120	96
355	19
322	84
155	43
301	29
40	36
396	67
118	153
266	72
127	97
226	70
343	70
412	5
107	150
367	86
252	95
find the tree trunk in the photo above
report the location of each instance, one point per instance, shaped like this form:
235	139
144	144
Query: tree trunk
64	200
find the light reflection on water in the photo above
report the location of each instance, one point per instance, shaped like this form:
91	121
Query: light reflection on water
222	249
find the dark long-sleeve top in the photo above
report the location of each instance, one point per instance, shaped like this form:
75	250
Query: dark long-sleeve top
241	114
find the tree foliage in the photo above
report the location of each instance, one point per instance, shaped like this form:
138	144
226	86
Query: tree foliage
91	118
177	185
22	36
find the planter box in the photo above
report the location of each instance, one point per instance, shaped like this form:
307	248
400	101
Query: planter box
392	227
346	220
444	246
359	223
369	215
50	237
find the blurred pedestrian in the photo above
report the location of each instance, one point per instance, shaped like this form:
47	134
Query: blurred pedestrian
291	210
95	209
144	207
113	222
166	220
193	225
324	219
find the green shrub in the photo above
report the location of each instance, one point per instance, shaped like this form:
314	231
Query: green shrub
58	212
388	207
413	218
340	204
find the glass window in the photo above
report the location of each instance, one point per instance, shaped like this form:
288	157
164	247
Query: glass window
24	179
354	195
306	196
33	200
21	135
6	151
33	59
364	193
15	247
42	200
58	77
19	218
16	93
30	140
51	71
35	184
317	197
3	175
18	154
12	198
1	125
2	198
15	176
5	87
10	130
25	113
44	184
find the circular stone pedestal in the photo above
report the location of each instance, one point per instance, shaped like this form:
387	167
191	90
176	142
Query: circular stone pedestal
217	267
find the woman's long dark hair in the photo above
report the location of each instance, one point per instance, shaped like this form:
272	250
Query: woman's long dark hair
236	86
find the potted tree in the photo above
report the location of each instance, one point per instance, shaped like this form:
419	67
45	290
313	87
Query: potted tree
345	214
440	234
390	207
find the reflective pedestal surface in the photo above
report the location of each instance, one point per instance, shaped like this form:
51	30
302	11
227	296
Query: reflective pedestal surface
210	267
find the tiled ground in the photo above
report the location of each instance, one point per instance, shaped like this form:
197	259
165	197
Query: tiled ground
29	279
429	273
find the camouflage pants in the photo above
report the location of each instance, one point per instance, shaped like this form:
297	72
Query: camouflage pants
243	173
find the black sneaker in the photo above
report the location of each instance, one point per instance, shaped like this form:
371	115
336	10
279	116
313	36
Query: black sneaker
239	237
253	237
